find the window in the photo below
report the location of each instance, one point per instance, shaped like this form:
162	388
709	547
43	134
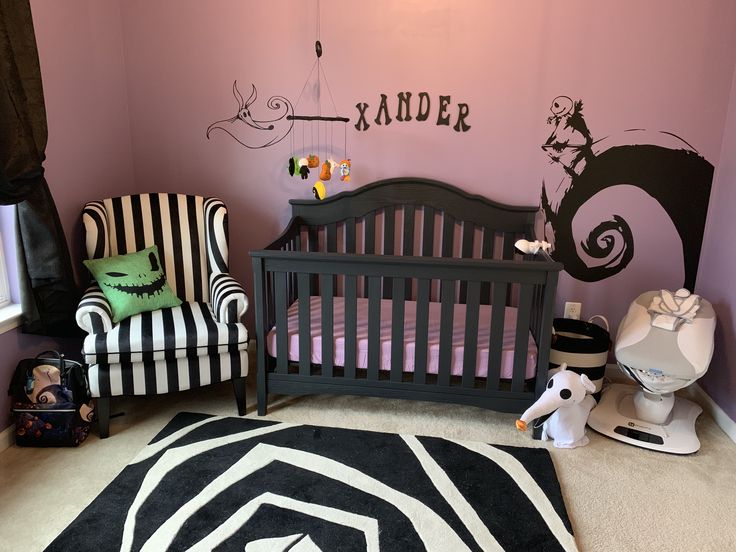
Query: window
10	310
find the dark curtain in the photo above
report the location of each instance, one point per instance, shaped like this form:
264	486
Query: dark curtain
49	294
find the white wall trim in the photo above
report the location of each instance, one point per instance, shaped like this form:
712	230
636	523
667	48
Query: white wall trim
696	394
7	437
10	317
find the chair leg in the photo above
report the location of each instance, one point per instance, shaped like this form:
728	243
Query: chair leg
103	416
239	388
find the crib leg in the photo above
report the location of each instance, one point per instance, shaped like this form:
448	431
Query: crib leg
262	402
262	393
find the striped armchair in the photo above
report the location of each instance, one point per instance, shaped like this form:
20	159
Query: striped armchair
173	349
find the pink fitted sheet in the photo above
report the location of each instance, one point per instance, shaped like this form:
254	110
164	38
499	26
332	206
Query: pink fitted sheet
458	337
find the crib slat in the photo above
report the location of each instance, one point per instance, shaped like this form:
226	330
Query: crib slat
350	235
389	223
374	326
369	224
508	246
448	235
495	346
351	325
331	230
470	344
508	255
489	237
297	245
282	325
305	323
408	244
270	305
428	232
397	330
327	330
521	344
466	253
369	227
389	234
313	245
313	238
422	330
446	319
331	245
448	244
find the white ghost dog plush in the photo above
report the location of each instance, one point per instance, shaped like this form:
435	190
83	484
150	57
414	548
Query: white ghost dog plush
567	398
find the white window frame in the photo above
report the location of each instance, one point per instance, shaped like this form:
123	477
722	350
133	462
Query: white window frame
4	282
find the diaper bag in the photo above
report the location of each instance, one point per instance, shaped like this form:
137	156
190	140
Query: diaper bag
51	402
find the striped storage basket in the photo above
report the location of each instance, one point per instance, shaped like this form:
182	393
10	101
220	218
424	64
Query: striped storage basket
583	346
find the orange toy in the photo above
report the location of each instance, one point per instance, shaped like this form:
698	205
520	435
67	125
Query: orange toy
326	174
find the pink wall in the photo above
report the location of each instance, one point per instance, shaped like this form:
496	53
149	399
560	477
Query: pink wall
132	86
718	267
80	47
632	67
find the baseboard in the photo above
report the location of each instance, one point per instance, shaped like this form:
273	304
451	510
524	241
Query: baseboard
696	394
7	437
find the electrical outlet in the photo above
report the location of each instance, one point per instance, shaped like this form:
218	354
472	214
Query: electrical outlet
572	310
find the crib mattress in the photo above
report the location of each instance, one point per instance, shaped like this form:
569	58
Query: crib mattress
458	337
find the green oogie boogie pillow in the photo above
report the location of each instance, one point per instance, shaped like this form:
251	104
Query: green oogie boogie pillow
133	283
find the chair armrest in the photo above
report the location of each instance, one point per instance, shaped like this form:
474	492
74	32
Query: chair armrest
229	301
94	314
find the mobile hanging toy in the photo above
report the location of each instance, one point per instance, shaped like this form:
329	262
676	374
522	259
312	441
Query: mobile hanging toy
324	125
345	170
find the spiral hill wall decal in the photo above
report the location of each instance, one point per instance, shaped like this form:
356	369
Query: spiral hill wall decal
671	172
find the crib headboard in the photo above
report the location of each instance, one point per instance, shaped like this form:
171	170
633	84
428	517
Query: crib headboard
414	216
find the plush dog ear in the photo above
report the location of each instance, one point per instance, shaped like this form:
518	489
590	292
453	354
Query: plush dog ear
589	385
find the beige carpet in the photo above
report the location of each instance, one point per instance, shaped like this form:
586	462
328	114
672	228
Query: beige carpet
619	498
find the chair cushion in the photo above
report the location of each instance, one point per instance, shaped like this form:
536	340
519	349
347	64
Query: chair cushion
133	283
165	376
188	330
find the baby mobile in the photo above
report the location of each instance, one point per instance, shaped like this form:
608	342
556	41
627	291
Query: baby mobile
319	125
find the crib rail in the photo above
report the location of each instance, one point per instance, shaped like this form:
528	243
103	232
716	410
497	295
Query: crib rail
282	276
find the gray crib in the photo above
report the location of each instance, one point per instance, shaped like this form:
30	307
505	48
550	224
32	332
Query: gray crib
354	268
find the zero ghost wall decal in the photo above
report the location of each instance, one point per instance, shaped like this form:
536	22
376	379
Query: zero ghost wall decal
675	175
252	133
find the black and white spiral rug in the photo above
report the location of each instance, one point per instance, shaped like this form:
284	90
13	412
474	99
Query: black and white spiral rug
218	483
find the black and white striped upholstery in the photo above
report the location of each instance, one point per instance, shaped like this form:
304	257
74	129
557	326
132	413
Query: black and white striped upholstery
198	343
